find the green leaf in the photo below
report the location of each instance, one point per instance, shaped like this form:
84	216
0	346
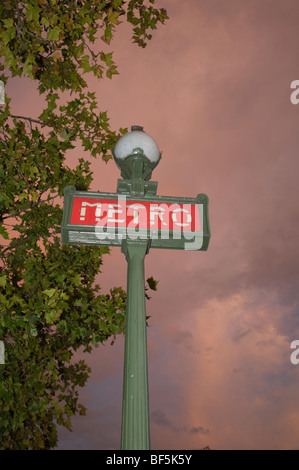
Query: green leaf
53	316
34	196
113	16
45	21
152	283
32	12
107	34
112	71
117	3
8	23
23	196
54	34
50	292
84	63
3	232
79	50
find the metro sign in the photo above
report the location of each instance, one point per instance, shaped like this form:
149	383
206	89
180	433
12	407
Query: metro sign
91	218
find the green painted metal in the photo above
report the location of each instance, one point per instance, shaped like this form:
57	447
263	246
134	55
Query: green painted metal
136	171
135	412
136	167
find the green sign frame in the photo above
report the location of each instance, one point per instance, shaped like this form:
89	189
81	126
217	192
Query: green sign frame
84	234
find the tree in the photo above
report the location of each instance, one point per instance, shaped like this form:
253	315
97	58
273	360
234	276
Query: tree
50	306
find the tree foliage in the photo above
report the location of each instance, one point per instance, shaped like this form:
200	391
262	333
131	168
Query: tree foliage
50	306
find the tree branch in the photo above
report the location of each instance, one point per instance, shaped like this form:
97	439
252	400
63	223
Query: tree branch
37	121
34	204
11	247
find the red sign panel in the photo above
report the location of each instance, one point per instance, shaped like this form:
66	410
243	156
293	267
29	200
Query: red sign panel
123	213
109	219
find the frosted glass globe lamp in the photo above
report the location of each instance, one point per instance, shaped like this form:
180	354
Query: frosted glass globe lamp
136	154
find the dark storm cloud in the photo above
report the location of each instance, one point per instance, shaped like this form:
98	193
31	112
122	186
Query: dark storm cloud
199	430
160	418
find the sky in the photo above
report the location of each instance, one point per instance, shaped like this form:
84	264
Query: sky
213	89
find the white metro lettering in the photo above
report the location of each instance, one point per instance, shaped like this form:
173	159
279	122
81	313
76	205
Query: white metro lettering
139	214
97	205
175	220
157	210
112	210
157	219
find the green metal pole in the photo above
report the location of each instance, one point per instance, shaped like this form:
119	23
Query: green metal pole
135	413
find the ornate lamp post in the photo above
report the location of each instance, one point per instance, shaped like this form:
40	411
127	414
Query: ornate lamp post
136	154
135	219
